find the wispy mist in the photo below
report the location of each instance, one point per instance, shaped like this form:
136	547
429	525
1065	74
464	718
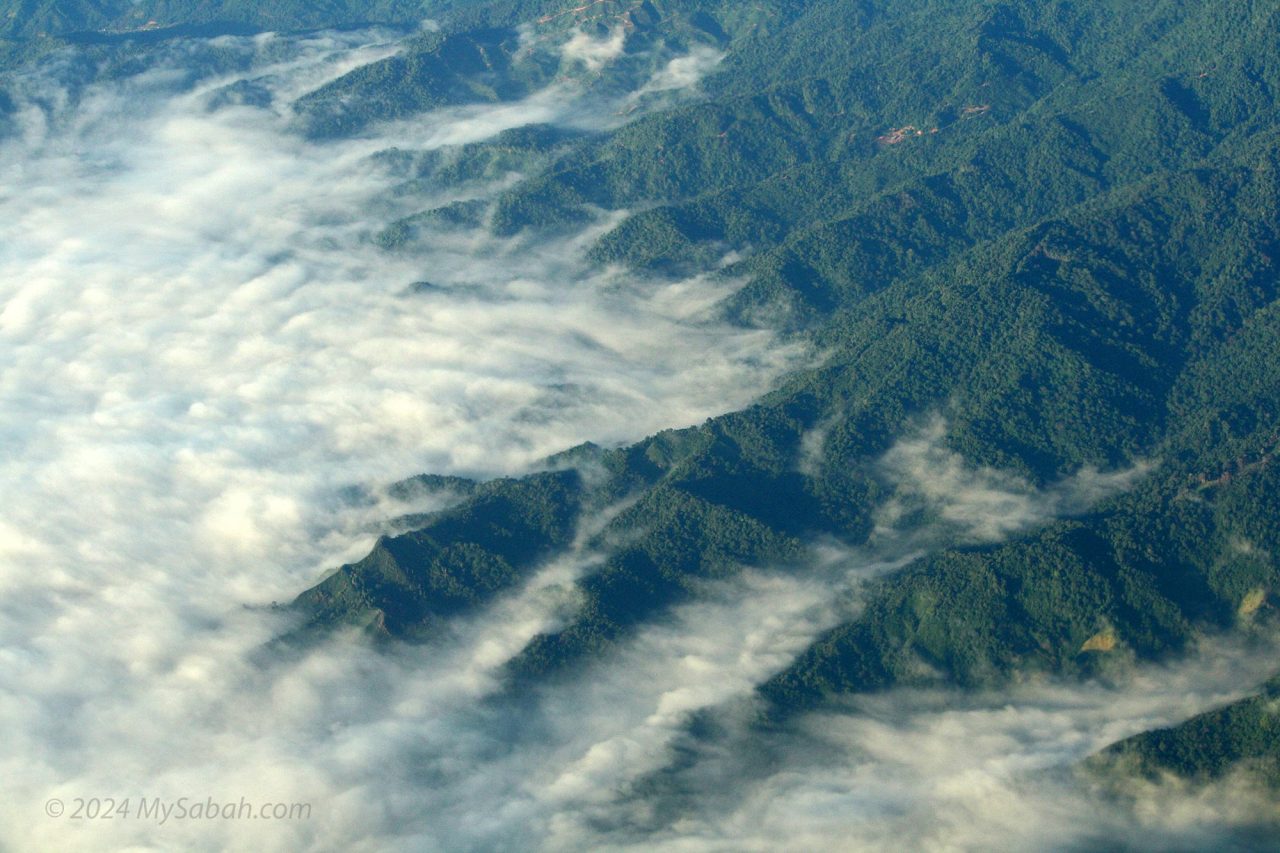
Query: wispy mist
204	353
942	770
983	504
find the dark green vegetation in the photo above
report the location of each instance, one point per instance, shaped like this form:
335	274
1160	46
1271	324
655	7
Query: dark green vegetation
1077	268
1242	737
483	54
1055	223
33	19
29	28
441	569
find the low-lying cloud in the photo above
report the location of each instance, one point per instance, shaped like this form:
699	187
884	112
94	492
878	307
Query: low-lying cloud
683	72
594	53
941	770
984	504
205	355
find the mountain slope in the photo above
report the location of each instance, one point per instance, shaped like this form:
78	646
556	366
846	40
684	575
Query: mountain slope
1239	738
1037	240
1066	290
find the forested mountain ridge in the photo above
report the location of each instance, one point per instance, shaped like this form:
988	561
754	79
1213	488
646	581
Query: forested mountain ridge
1239	738
1004	270
28	19
1035	241
1076	268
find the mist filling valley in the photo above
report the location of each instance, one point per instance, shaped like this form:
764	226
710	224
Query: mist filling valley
213	368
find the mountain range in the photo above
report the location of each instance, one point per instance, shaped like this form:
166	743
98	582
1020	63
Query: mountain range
1024	255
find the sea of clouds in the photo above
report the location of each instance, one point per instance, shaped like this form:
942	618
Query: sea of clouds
204	355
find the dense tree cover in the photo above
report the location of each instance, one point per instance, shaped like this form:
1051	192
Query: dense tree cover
484	52
1138	579
1241	737
1077	268
1053	222
460	556
29	19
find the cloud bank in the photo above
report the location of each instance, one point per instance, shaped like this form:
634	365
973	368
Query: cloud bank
204	355
945	771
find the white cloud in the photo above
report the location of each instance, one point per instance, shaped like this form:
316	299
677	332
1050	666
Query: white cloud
594	53
684	72
932	770
980	503
201	353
